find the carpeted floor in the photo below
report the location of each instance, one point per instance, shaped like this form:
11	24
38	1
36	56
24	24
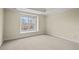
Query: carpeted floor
41	42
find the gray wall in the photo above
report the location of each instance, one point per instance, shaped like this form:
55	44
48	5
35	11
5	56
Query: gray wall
63	23
12	25
1	26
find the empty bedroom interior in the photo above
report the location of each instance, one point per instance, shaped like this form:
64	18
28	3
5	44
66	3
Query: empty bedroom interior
39	29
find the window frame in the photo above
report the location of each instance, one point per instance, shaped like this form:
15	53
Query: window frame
37	24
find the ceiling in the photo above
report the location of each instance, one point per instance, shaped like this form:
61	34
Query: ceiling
43	11
38	9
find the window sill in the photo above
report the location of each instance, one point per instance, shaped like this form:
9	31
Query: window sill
28	32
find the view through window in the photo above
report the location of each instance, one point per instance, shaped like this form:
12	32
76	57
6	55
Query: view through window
29	23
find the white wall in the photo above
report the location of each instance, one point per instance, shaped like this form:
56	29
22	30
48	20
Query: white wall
12	25
63	23
1	26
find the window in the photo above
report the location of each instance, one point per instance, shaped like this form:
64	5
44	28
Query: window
28	23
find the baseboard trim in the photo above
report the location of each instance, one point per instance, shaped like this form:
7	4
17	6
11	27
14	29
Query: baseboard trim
61	37
1	43
23	37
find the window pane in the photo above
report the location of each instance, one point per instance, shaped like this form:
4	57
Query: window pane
28	23
24	19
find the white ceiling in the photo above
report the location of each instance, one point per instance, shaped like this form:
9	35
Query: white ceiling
32	10
43	11
38	9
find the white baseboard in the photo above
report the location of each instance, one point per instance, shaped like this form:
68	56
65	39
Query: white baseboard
65	38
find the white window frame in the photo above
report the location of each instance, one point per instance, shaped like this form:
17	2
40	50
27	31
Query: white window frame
24	14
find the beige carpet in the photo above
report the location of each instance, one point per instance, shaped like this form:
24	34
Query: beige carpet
41	42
